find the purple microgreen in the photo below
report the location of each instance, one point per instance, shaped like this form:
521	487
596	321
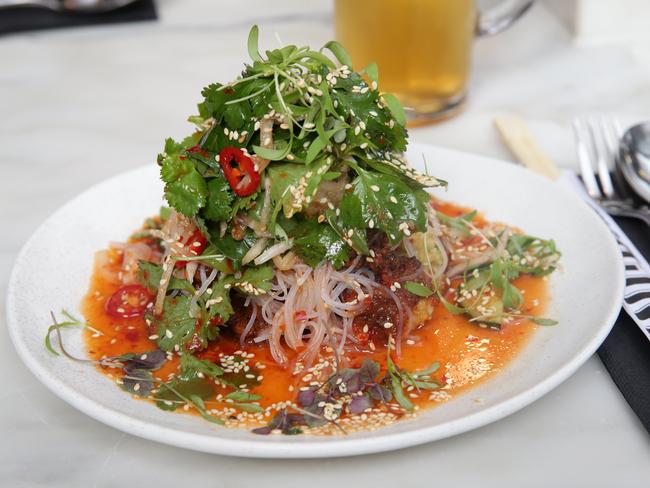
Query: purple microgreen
354	383
287	423
306	397
380	393
138	382
150	360
359	404
369	370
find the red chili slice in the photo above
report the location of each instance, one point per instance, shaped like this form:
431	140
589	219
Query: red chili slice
239	170
129	302
197	149
194	245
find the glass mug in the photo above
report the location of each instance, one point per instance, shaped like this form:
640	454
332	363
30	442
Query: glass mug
422	47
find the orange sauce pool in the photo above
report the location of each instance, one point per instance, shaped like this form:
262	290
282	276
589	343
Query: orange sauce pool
467	354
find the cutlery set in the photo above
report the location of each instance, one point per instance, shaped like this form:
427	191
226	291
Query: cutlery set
599	147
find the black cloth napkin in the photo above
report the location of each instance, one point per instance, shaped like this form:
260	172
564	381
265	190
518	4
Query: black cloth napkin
626	351
18	19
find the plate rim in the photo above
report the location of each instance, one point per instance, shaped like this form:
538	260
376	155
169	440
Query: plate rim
315	448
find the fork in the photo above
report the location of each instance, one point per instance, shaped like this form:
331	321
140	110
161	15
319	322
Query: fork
596	139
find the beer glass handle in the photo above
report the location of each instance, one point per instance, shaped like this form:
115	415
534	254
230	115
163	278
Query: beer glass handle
498	18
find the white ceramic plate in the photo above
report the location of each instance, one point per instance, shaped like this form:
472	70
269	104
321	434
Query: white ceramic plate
53	270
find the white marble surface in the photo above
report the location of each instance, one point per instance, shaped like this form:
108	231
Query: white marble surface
80	105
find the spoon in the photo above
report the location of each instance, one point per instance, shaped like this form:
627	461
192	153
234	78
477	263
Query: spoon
71	6
634	159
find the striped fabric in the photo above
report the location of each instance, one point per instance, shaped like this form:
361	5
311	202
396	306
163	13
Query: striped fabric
636	300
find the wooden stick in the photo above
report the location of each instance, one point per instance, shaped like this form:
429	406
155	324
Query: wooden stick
517	136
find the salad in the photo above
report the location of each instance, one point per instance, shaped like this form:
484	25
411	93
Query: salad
301	261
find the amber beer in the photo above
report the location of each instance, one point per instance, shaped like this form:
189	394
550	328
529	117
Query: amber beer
422	48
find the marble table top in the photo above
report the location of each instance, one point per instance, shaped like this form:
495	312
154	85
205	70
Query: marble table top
81	105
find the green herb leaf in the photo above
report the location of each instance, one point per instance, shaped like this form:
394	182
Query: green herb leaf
253	43
242	396
340	53
175	326
191	366
395	108
220	198
318	242
373	72
543	321
391	204
149	275
417	289
185	188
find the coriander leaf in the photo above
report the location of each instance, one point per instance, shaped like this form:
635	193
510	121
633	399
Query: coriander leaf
219	302
214	100
318	242
389	202
175	326
177	392
149	275
191	366
219	202
185	188
294	185
255	280
229	247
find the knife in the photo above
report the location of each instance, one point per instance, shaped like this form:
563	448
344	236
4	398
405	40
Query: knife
519	139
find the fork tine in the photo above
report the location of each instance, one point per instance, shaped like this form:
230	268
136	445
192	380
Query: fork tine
584	160
613	134
597	130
